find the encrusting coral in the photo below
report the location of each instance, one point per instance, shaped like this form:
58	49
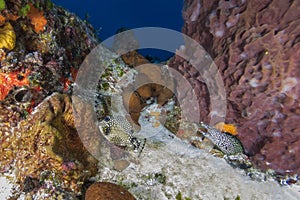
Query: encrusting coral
37	18
40	148
7	37
46	146
10	80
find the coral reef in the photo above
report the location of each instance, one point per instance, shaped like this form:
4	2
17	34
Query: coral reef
150	83
255	45
43	60
42	47
46	147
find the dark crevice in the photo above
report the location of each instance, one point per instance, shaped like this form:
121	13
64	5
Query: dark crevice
287	10
266	6
259	56
296	40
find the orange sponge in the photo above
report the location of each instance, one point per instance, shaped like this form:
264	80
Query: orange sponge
229	128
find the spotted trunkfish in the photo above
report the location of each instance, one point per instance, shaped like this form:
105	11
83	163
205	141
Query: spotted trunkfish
119	131
226	142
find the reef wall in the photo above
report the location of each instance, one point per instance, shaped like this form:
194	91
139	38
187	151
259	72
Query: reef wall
256	47
41	49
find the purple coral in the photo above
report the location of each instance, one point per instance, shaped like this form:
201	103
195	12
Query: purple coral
256	47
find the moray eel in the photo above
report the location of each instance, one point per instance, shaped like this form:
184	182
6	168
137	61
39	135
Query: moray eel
120	132
226	142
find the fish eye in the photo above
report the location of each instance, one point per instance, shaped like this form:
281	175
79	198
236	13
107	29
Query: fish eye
106	119
203	129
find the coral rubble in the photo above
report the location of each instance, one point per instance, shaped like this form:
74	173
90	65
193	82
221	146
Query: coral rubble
255	45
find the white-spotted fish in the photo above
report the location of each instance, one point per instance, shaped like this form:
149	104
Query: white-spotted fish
226	142
120	132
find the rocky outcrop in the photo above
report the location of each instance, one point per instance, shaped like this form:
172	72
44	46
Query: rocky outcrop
151	82
106	190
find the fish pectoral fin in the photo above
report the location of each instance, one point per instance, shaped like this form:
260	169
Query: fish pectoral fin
203	131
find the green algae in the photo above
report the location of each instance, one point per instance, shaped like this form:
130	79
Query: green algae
2	5
24	10
179	197
238	197
155	178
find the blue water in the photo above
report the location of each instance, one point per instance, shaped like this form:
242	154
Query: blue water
110	15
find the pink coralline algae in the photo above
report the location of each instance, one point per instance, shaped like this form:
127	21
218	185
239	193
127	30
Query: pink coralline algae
256	47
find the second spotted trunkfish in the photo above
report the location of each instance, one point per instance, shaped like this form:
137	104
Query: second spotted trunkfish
226	142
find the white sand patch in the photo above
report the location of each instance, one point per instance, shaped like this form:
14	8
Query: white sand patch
169	166
5	188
